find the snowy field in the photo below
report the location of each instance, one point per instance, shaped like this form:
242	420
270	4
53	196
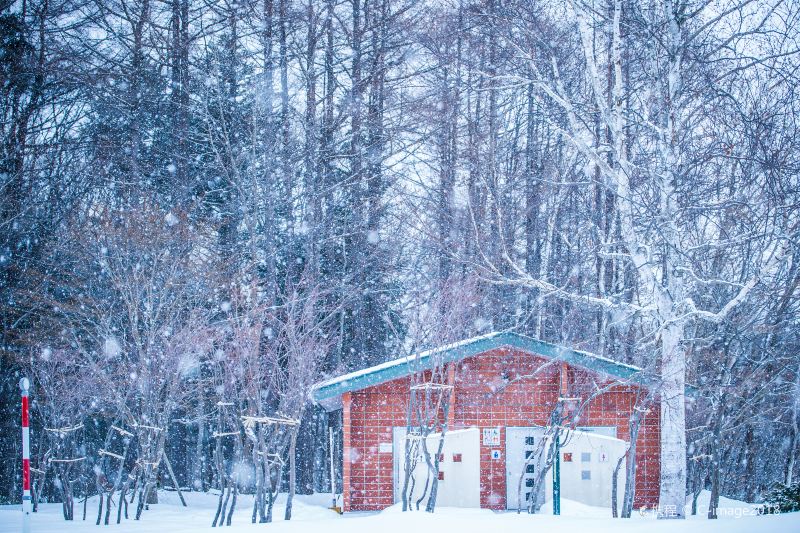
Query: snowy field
310	515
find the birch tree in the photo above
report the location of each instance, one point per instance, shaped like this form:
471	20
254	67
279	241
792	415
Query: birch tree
647	176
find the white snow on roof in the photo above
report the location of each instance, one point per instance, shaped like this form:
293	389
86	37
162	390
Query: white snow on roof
606	359
421	356
407	359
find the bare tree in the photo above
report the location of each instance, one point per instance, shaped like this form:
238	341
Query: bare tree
64	393
666	268
443	319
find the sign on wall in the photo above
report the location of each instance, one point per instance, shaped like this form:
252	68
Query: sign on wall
491	436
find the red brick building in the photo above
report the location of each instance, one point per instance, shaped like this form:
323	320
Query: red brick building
501	380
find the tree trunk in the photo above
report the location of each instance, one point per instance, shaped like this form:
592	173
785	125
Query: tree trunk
431	505
292	475
100	497
750	468
791	455
634	425
233	504
713	504
614	485
672	496
218	514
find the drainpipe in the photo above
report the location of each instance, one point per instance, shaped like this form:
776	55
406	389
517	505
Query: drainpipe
557	476
559	416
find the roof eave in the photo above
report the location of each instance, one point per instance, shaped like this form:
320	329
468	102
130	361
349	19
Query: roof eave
328	395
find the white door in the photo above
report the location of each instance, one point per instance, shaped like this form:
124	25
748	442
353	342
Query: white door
459	468
522	445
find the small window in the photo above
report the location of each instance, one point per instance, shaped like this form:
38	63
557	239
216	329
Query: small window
586	457
567	457
586	474
530	469
528	441
441	476
456	457
527	496
528	453
441	457
529	482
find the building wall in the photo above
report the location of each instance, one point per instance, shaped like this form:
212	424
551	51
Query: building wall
499	388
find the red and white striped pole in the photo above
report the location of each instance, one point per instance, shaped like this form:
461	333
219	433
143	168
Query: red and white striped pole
24	384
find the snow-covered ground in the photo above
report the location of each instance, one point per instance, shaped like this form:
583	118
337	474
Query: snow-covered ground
311	516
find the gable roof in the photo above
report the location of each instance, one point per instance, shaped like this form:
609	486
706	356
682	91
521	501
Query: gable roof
328	393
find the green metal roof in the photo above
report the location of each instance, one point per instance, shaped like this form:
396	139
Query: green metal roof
328	393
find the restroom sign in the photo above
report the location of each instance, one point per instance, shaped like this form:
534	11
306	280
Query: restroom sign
491	436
